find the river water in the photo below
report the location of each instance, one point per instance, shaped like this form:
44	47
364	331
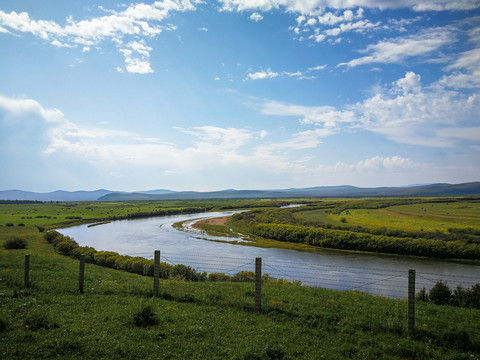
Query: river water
372	273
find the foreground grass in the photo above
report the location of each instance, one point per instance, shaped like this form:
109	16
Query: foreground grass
50	319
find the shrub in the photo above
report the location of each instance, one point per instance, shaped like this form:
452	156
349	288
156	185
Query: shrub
183	272
21	224
9	224
461	297
65	247
88	251
244	276
51	236
15	243
218	277
473	300
422	295
441	294
145	316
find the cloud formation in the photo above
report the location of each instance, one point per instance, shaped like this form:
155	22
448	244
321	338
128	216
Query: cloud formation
137	20
397	49
316	6
214	147
404	112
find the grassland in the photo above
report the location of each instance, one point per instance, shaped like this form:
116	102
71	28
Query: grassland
197	320
433	227
412	217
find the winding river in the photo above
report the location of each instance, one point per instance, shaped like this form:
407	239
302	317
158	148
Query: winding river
376	274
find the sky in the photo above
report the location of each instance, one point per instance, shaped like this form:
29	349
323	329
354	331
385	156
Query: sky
242	94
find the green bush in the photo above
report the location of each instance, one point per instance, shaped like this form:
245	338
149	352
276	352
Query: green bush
440	294
145	316
218	277
16	243
244	276
349	240
183	272
66	246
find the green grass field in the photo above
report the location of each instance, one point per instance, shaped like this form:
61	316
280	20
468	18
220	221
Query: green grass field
412	217
199	320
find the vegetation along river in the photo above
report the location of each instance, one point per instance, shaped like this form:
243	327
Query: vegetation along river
373	273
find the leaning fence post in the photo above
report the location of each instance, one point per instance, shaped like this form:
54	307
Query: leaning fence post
258	284
81	274
156	272
411	301
26	280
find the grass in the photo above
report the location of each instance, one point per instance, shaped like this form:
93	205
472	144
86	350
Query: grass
413	217
50	319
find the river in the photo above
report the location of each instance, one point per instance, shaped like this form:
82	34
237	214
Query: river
372	273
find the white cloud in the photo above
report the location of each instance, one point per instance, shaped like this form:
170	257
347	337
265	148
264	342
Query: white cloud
317	6
469	60
395	50
256	17
409	83
284	109
418	116
329	18
465	67
262	75
459	80
20	107
402	24
136	56
405	112
359	26
465	133
325	116
318	67
110	151
227	138
302	140
137	20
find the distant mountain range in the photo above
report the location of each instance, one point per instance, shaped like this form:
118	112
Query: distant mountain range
471	188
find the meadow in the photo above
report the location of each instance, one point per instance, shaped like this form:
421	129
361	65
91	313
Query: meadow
433	227
117	316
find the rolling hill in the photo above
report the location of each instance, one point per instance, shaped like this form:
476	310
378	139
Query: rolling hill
441	189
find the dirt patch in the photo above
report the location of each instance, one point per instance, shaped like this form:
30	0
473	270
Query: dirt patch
214	221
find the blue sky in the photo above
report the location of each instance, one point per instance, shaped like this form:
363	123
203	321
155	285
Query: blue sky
210	95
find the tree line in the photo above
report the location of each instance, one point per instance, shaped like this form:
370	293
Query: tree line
65	245
349	240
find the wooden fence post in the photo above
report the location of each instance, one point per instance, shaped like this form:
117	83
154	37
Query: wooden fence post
411	302
156	272
26	280
258	284
81	274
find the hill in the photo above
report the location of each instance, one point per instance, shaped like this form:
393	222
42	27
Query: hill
472	188
441	189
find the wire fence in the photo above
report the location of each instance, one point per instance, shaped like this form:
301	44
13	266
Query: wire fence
406	317
375	281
